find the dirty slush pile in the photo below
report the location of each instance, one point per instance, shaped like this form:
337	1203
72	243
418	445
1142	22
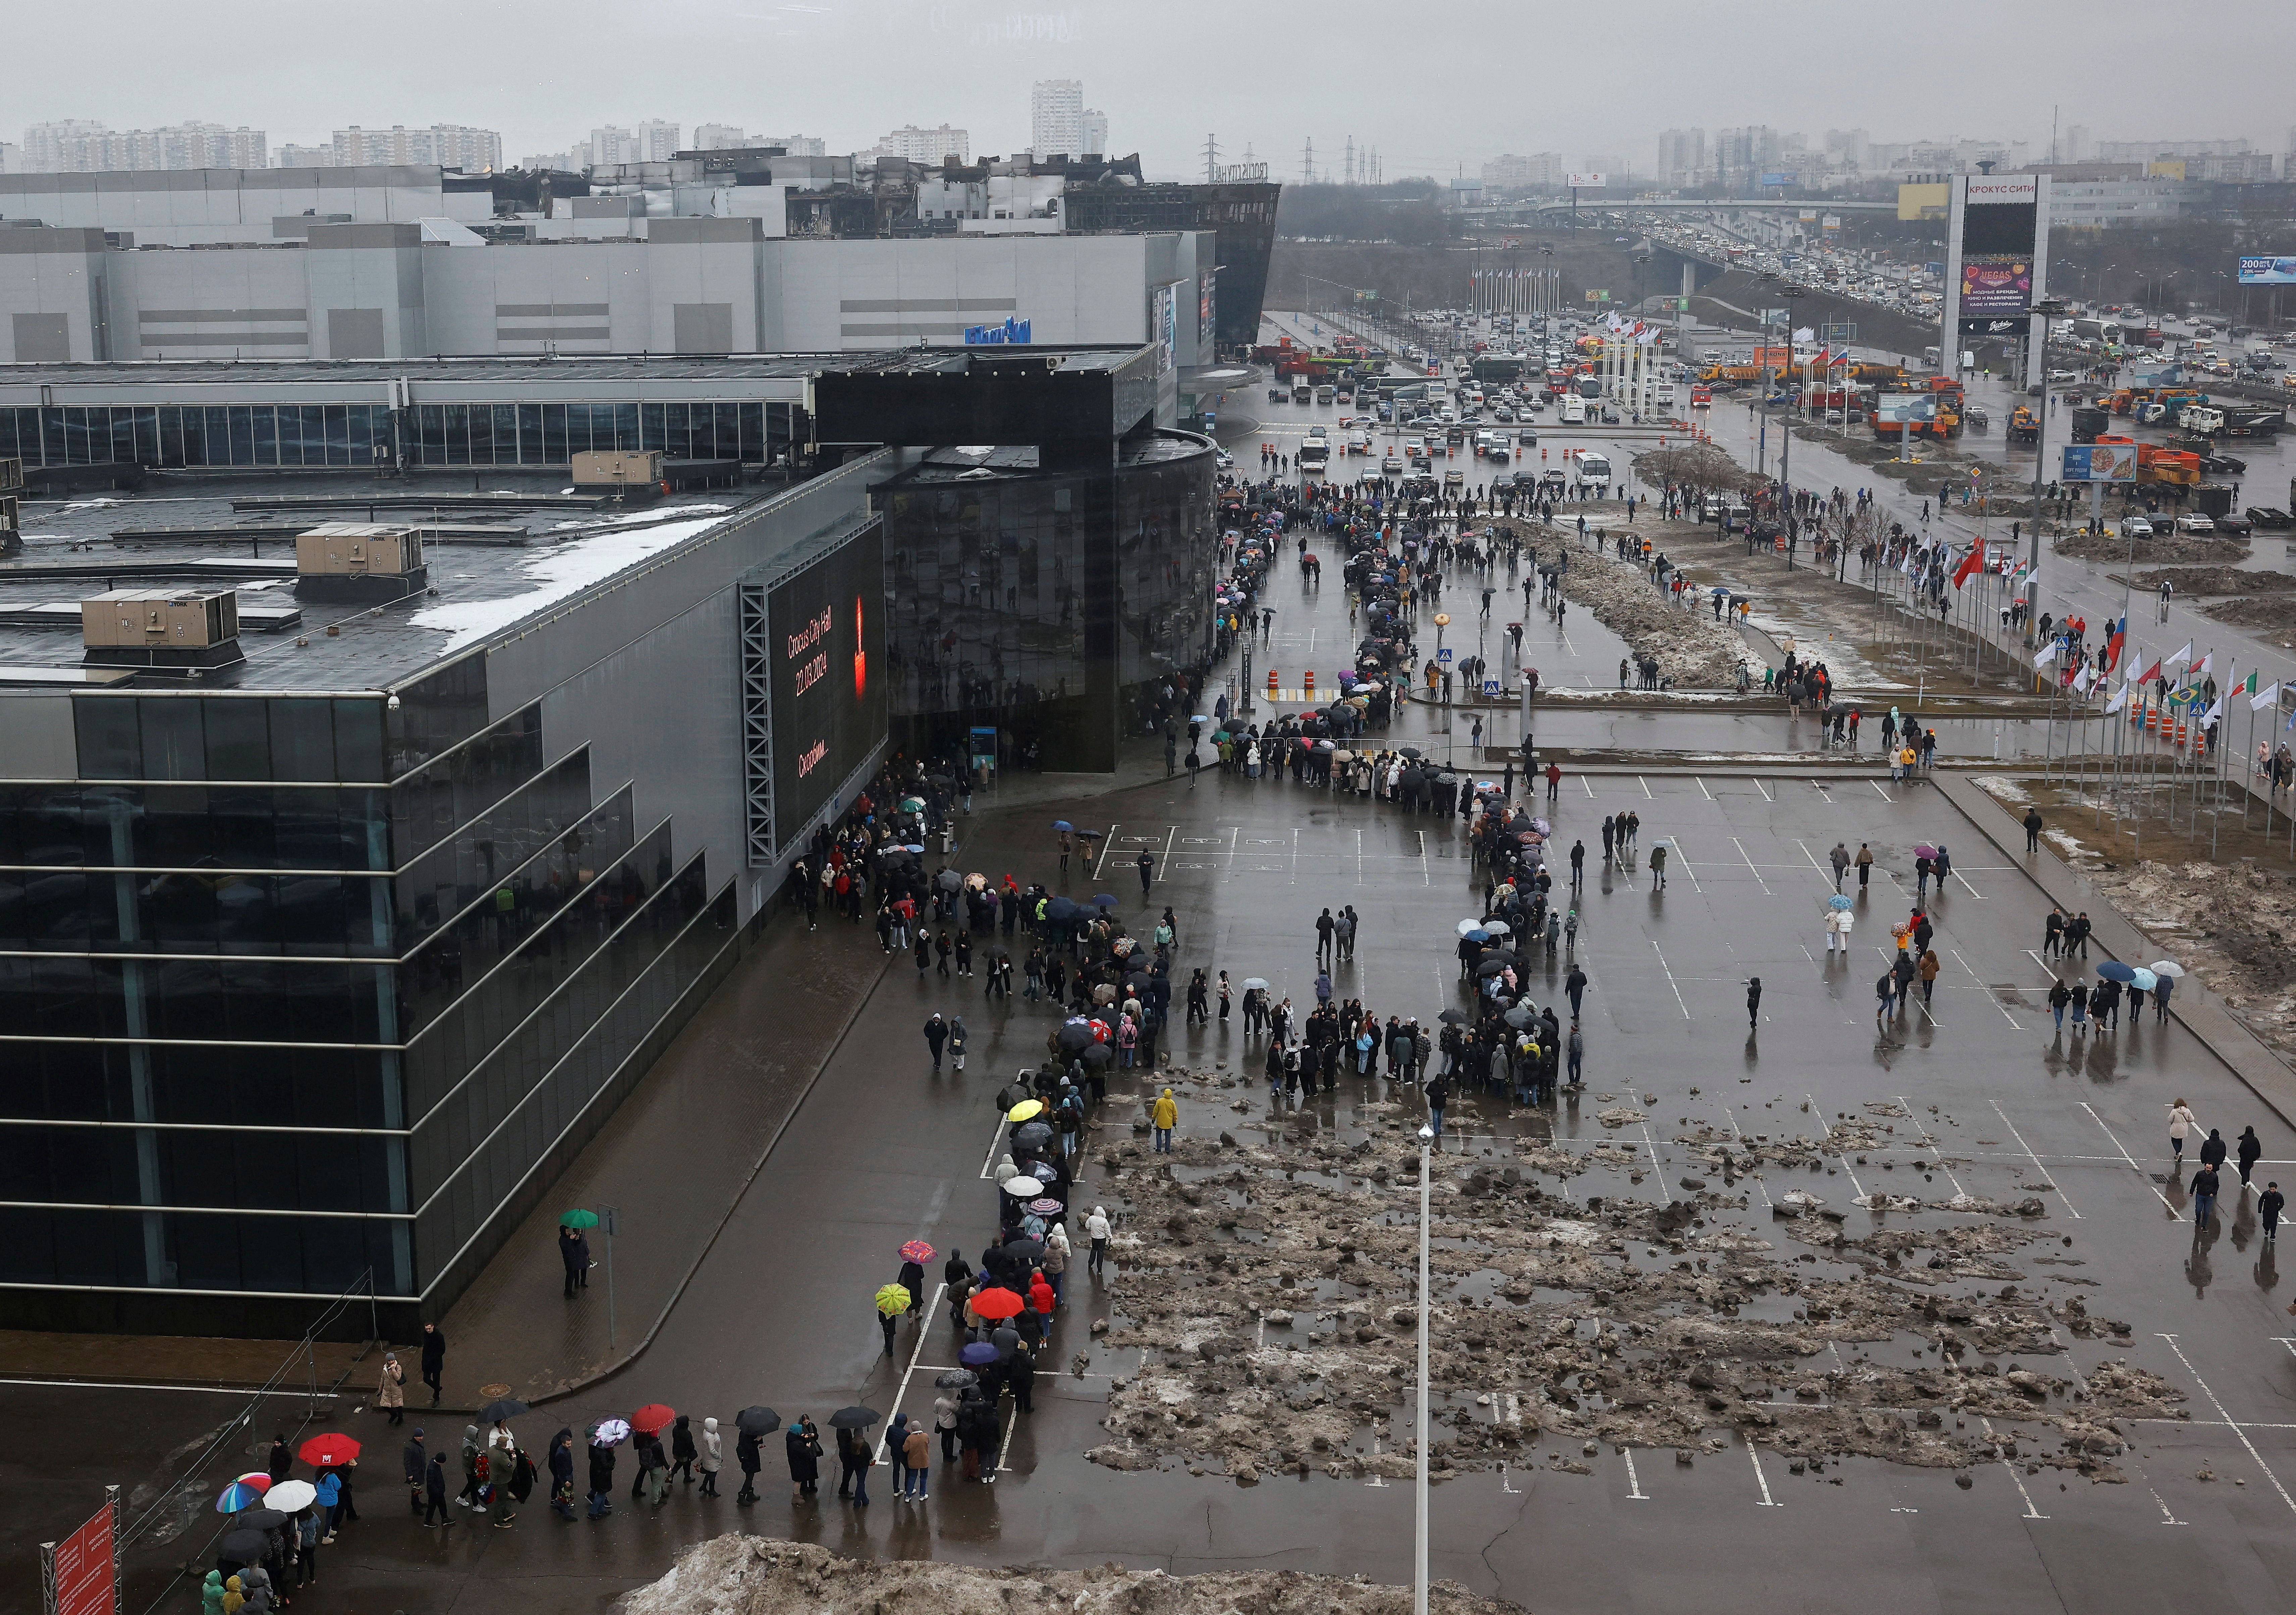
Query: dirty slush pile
1269	1288
737	1575
1692	650
2232	925
2170	547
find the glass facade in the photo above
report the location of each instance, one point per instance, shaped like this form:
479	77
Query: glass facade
988	584
296	987
219	435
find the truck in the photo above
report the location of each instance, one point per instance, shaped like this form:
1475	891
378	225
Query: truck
1303	392
2201	419
2023	425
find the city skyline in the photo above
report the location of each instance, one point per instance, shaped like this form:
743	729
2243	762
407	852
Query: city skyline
970	66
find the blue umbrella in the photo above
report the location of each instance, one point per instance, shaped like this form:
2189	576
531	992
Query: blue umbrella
1838	901
2113	969
978	1353
1062	909
1478	935
1062	825
2145	980
1102	900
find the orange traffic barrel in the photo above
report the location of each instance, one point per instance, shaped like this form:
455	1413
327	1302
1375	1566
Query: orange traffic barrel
1310	677
1271	681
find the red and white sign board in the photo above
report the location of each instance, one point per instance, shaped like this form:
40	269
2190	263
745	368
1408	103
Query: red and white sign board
81	1573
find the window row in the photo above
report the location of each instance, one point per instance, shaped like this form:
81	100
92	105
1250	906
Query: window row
552	434
300	915
482	852
194	436
287	1254
171	1166
228	737
194	826
191	1083
194	1000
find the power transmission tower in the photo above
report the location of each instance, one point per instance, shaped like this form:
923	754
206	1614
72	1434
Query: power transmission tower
1211	159
1307	163
1349	167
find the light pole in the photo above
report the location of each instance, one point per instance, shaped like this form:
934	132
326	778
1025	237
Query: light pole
2045	310
1419	1546
1792	294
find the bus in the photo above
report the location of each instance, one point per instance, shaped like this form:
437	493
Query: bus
1589	385
1488	367
1574	410
1315	457
2108	331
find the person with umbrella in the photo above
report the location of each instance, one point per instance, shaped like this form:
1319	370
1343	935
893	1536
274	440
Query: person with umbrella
574	1250
802	1443
602	1438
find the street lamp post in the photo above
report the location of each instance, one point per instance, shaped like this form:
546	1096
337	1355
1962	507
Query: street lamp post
2043	311
1792	294
1419	1547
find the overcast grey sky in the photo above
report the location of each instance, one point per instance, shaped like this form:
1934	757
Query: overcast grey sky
1431	87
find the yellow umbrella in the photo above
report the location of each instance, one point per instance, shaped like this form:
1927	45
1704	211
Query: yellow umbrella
893	1298
1026	1109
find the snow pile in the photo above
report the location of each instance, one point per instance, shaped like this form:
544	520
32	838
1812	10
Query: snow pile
1692	650
559	575
2232	925
737	1575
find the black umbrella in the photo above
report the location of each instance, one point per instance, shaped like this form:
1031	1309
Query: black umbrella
1075	1037
956	1379
997	950
244	1547
1021	1253
1455	1017
258	1518
501	1410
1032	1135
1521	1016
1491	967
939	779
1138	982
856	1417
1099	1054
1062	909
756	1420
1409	751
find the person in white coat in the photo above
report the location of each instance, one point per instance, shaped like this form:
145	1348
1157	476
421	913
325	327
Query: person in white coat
1838	922
713	1457
2180	1125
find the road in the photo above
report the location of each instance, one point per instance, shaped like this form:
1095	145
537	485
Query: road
884	1150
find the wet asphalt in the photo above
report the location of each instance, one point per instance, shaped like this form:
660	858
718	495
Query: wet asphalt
884	1150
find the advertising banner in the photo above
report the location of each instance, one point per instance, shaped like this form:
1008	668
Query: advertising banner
1781	179
1163	325
2100	463
2007	328
1900	408
830	676
1996	283
2268	271
80	1575
1208	304
1587	182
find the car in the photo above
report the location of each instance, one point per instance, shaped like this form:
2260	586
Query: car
1222	459
1413	446
2135	527
1455	479
1391	466
2238	527
1421	463
1502	417
2196	523
2269	516
1527	439
1609	414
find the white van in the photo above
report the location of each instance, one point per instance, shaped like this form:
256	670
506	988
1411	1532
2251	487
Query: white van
1574	410
1593	474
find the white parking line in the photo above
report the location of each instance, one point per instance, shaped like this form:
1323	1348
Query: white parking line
1669	977
1765	885
1709	795
1765	790
1980	981
1877	790
1930	1139
1828	1126
1644	783
2036	1160
1972	891
1741	1133
1107	841
1760	1478
1635	1493
925	1329
2131	1160
2227	1418
1658	1167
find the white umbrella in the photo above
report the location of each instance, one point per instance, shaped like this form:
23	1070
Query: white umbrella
1467	925
1251	982
288	1496
1499	928
2166	967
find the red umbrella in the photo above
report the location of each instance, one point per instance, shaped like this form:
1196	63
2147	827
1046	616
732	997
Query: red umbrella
651	1417
916	1251
997	1304
322	1452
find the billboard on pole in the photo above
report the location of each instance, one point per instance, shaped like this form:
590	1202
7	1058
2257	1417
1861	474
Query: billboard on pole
1587	182
2268	271
2100	463
1781	179
1902	408
1996	283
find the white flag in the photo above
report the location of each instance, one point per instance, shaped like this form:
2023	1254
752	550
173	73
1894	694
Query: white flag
2201	671
2213	713
2264	697
2046	654
2184	655
2120	700
2083	679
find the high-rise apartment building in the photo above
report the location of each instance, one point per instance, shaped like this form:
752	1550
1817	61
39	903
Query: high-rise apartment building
657	140
927	146
82	146
1682	157
449	145
1095	132
1056	116
721	137
1509	172
302	156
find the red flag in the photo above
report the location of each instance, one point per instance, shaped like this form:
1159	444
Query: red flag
2150	674
1974	561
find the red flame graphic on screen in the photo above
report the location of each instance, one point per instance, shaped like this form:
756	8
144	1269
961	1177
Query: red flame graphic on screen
860	654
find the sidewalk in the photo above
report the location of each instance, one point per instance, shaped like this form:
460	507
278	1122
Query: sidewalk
2192	1003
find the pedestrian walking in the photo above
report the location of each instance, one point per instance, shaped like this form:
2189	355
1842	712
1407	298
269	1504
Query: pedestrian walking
1928	971
746	1454
1439	1096
936	1035
1840	858
1325	927
2213	1149
2032	830
434	1359
2180	1127
1577	1047
1753	1001
1147	866
1884	989
1577	865
1865	862
434	1492
390	1391
2248	1149
2268	1206
2204	1198
1658	866
1574	988
712	1458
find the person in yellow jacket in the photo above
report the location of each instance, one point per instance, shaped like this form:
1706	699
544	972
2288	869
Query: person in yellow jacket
1164	1117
